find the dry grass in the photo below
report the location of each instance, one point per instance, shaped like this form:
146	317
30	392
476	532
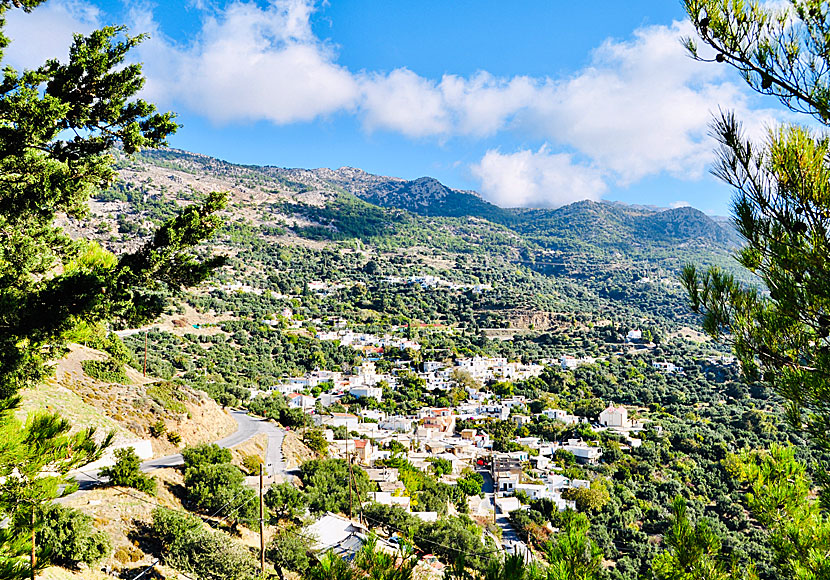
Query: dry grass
126	409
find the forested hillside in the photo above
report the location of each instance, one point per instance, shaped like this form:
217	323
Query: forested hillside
307	257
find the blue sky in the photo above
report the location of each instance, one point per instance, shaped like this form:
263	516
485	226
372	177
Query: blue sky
531	103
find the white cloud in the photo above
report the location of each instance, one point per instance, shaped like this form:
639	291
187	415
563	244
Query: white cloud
642	107
540	179
680	203
405	102
249	64
483	104
53	25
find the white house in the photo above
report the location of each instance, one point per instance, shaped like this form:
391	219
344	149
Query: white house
396	423
508	482
328	399
583	452
346	420
386	498
431	366
560	415
615	417
365	391
666	367
300	401
569	362
283	388
343	537
535	490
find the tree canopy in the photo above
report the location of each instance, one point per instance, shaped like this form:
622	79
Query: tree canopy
782	204
60	125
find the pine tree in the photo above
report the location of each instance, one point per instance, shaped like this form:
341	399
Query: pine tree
782	204
59	126
35	459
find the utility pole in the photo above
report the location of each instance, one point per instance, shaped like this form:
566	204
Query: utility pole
349	455
261	524
34	558
145	351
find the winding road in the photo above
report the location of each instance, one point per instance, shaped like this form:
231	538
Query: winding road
246	428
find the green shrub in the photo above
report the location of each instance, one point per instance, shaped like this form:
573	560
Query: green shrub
109	371
289	550
205	453
189	547
127	472
251	463
219	488
70	537
168	396
158	428
174	438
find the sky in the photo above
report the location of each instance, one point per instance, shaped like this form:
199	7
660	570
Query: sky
532	103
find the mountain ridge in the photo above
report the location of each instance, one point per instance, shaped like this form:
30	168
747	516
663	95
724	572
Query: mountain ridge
612	224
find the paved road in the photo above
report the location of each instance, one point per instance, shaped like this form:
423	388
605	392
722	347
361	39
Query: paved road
246	427
509	538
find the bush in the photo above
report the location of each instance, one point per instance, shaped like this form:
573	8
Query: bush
168	396
251	463
592	499
174	438
127	472
326	483
158	428
205	453
471	483
440	466
188	546
286	501
218	488
109	371
316	441
172	528
70	537
289	550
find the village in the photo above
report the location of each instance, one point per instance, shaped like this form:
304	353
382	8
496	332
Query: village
370	437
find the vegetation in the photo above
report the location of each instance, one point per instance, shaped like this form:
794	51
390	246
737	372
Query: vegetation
50	284
188	546
71	537
127	472
718	484
214	487
108	370
35	459
326	485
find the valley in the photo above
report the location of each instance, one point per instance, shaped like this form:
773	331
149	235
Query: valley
536	368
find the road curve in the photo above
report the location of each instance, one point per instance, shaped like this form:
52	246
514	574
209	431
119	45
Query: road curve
246	428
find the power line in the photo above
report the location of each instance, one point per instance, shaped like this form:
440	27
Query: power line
433	542
205	519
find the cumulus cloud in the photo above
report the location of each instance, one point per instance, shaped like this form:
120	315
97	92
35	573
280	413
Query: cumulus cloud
405	102
536	179
679	203
53	25
641	107
249	64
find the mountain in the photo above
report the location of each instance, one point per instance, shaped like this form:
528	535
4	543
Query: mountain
623	227
609	226
428	196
